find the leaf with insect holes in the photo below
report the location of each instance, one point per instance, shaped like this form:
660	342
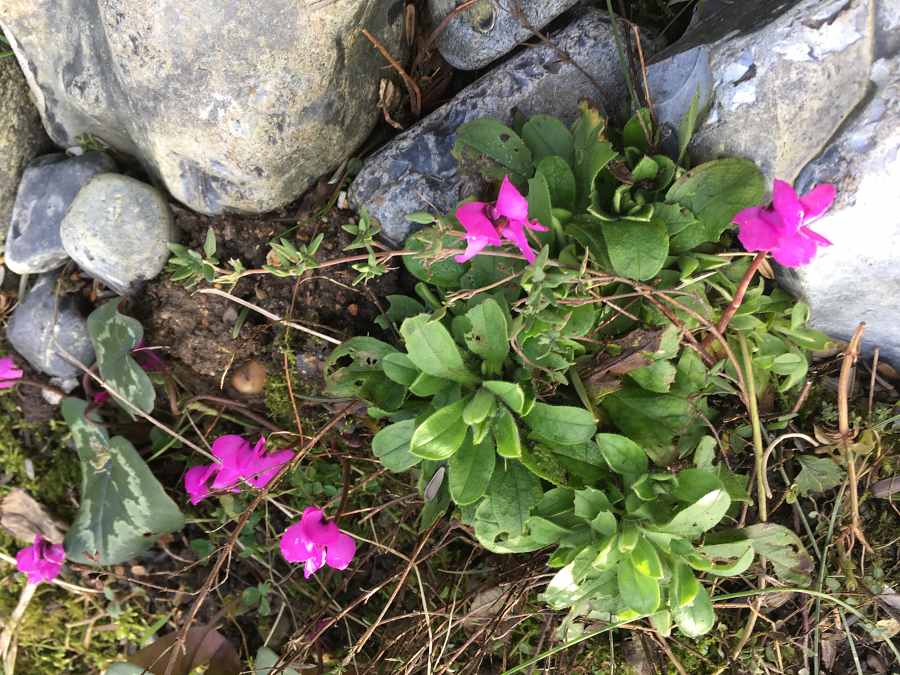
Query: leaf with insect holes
494	149
777	544
124	509
114	336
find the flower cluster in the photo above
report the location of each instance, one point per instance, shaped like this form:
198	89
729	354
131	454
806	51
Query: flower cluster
488	224
41	561
782	228
9	373
315	542
236	461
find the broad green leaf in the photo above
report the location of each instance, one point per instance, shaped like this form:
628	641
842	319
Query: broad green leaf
265	661
399	368
488	139
560	182
688	125
123	508
489	336
544	463
401	307
651	420
480	407
441	434
511	394
697	618
470	471
513	490
645	559
702	515
639	592
715	192
684	587
540	204
443	273
433	351
623	455
662	622
564	591
637	250
638	131
692	484
506	434
593	160
565	425
113	336
426	385
547	136
738	554
495	538
657	377
391	445
817	474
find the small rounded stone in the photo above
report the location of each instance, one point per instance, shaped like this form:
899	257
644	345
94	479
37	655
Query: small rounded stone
250	378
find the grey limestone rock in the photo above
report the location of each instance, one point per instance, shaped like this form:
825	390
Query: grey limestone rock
416	172
45	326
489	29
233	105
785	74
117	230
22	136
48	187
858	278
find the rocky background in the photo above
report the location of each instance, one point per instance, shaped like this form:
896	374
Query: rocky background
123	123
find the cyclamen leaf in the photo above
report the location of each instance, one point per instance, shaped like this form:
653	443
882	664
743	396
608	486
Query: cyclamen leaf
124	509
489	336
391	445
561	424
431	348
113	336
471	469
623	455
547	136
439	436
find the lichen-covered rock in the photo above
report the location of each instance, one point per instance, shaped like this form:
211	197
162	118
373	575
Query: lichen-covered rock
46	327
117	230
48	187
416	172
784	75
858	278
473	38
234	105
22	136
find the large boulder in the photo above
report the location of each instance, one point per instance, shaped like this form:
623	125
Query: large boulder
778	77
234	105
858	278
22	136
416	172
472	38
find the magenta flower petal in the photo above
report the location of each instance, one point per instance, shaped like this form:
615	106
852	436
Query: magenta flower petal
196	482
794	251
815	236
535	226
473	248
787	205
755	231
9	373
265	468
817	201
480	231
147	359
341	552
316	529
295	546
233	453
315	563
42	561
510	202
514	231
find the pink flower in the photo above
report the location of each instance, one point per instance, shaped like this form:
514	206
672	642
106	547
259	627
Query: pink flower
236	461
509	214
147	358
9	374
782	227
315	542
41	561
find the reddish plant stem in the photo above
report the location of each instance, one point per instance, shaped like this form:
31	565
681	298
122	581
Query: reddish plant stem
732	309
